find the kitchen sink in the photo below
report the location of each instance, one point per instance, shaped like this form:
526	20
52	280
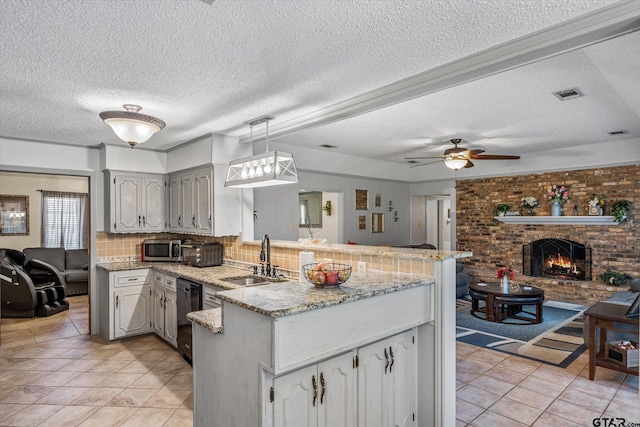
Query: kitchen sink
252	280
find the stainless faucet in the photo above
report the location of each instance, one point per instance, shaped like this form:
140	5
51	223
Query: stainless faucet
265	242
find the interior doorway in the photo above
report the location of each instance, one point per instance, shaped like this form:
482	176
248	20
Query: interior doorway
431	221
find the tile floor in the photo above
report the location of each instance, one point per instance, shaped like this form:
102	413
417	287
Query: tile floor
52	373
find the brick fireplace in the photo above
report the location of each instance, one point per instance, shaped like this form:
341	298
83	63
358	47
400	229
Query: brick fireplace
614	246
556	258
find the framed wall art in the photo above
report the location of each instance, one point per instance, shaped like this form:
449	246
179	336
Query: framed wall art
362	222
378	200
14	215
362	200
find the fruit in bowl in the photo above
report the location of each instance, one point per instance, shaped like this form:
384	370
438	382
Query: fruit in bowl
325	274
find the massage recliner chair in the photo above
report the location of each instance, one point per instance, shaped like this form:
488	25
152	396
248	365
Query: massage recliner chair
21	296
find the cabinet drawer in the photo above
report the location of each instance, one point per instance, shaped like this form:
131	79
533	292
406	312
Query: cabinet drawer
170	283
130	278
209	299
158	278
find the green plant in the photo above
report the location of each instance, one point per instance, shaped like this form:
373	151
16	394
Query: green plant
620	209
614	278
501	209
327	207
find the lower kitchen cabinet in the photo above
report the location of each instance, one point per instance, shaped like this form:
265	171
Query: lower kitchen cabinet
124	303
387	388
165	308
323	394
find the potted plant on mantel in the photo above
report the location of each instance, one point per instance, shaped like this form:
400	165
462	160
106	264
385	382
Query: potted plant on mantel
620	210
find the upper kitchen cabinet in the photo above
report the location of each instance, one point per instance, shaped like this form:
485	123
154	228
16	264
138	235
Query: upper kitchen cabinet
199	203
136	202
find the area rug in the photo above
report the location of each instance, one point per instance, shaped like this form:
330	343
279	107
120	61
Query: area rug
556	341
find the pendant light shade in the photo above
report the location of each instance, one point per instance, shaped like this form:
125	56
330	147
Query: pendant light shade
262	170
131	126
455	163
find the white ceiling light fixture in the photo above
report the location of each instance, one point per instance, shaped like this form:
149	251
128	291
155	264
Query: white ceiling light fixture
455	163
131	126
262	170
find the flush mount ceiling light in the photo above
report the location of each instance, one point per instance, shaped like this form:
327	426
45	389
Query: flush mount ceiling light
262	170
131	126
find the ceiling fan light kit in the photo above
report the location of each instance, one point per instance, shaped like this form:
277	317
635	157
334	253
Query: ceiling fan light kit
262	170
131	126
457	157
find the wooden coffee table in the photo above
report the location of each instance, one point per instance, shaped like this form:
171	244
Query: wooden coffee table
500	306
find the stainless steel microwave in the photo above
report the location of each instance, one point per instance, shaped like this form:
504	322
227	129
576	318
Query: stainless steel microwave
162	250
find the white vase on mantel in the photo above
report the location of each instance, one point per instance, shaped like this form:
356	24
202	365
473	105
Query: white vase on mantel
556	209
505	283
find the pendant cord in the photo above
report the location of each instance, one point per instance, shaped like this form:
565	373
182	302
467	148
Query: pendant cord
267	147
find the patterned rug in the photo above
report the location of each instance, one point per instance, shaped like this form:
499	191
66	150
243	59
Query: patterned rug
556	341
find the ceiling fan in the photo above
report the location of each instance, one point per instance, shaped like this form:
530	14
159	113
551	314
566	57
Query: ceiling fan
458	157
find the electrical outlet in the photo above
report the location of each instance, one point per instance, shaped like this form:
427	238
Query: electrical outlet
362	267
292	226
228	252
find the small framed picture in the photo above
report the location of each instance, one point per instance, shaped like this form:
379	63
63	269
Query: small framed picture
362	200
362	222
378	199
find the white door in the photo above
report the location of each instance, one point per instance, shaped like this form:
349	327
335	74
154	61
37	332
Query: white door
204	195
132	307
372	385
171	318
175	203
188	191
296	399
158	311
337	388
127	191
402	370
153	204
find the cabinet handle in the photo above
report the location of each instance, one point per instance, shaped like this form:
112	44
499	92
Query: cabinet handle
193	221
209	220
117	301
179	220
386	356
139	220
392	359
315	389
144	220
161	305
324	389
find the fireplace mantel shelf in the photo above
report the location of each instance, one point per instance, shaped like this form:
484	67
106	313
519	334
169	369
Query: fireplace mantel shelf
558	220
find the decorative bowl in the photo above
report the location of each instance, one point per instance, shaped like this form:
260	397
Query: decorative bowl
326	274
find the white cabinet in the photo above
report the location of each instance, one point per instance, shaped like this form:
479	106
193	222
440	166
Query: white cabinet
322	395
200	204
165	308
387	390
136	202
125	300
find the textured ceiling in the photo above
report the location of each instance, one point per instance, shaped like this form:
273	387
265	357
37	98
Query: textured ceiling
209	68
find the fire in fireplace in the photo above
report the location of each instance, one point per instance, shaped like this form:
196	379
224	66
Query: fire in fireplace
557	258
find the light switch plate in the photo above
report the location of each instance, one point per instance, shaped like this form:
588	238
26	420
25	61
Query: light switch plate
362	267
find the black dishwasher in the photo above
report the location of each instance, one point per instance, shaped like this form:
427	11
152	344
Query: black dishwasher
189	299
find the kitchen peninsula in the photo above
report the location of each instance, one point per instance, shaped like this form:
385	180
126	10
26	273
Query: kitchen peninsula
378	350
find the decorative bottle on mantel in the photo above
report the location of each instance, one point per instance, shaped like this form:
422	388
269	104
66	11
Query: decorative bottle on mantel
505	282
556	209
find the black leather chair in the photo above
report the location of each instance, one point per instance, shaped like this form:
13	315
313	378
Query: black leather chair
21	296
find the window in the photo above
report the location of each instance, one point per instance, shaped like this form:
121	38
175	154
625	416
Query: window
65	220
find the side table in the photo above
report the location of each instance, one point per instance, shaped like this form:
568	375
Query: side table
603	315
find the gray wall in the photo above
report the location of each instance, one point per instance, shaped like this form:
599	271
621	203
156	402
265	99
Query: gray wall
277	208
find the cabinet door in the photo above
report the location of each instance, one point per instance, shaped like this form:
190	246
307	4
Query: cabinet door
175	203
373	393
153	204
188	191
204	197
337	389
127	214
132	307
170	318
294	404
403	385
158	311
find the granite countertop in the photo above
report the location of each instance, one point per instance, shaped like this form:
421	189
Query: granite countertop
209	319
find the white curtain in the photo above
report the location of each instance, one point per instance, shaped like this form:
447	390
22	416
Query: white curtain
65	220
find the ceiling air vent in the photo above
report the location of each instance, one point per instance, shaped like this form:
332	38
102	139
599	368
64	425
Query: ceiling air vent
618	132
328	146
563	95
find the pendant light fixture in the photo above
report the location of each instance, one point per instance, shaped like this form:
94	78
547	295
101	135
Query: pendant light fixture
131	126
455	163
262	170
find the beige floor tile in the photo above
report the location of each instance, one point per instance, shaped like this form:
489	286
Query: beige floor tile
554	375
188	403
28	394
133	397
120	380
550	420
474	365
27	377
154	381
138	367
156	355
477	396
616	409
466	411
109	416
76	353
180	382
8	409
104	354
70	416
180	418
596	387
488	383
489	356
127	355
537	384
532	398
32	415
97	396
464	349
492	419
518	364
172	367
89	379
49	353
573	412
149	417
110	365
63	396
627	396
516	411
167	399
578	397
506	375
81	365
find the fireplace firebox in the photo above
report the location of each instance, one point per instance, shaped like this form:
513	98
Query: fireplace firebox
557	258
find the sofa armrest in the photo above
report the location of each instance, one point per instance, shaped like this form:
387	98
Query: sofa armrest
36	264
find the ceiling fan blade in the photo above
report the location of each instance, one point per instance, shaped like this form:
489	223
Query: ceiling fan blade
425	164
494	157
427	157
469	164
475	152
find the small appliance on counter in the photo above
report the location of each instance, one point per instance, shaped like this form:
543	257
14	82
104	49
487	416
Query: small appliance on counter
202	254
162	250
